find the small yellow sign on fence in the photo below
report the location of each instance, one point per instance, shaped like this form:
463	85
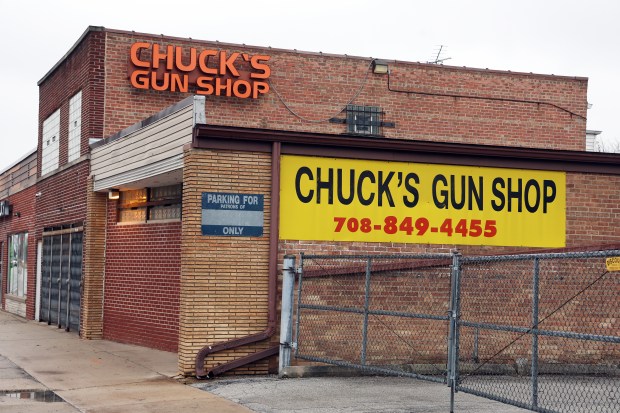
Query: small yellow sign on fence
613	264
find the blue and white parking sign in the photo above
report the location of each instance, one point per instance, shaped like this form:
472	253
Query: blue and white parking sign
232	215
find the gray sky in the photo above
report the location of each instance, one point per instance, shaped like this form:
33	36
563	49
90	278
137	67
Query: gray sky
562	37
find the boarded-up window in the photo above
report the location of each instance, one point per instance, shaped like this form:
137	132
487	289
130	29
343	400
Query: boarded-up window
51	143
75	126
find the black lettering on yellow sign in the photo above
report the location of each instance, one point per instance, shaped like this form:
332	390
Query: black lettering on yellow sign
532	194
450	192
446	195
348	186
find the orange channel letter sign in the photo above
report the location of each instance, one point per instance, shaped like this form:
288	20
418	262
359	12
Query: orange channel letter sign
211	72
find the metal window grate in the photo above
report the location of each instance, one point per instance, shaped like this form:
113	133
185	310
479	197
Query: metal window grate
364	120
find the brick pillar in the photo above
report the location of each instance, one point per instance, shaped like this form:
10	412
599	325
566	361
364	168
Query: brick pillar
94	264
224	280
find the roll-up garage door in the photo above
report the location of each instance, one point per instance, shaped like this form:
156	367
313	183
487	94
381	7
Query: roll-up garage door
61	277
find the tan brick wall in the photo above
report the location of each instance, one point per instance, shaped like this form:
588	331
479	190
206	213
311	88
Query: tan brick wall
223	279
94	259
223	288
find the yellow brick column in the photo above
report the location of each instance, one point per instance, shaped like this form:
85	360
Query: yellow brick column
94	264
224	280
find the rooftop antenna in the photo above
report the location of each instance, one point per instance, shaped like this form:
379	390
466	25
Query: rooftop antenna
438	58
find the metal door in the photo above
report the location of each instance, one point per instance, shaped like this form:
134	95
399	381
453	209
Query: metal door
61	278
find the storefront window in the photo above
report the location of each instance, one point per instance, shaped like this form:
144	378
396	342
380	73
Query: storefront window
18	258
150	204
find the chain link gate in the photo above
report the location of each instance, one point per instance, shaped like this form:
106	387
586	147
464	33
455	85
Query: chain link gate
376	313
540	331
537	331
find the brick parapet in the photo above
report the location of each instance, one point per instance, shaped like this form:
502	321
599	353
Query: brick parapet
521	109
81	70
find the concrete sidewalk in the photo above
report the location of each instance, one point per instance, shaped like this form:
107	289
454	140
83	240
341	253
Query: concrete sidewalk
96	376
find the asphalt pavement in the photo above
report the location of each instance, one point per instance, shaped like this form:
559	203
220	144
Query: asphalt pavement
368	394
43	369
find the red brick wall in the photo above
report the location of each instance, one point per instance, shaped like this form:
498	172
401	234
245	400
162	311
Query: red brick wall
318	86
497	293
23	203
142	281
592	209
63	198
576	295
63	193
82	70
93	276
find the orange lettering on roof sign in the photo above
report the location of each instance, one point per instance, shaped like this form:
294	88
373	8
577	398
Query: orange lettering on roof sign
205	72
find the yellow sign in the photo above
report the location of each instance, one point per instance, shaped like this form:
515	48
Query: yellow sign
330	199
613	264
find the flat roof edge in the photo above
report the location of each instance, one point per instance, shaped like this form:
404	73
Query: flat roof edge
20	159
336	55
75	45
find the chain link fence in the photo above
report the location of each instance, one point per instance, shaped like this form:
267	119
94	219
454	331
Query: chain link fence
539	331
376	313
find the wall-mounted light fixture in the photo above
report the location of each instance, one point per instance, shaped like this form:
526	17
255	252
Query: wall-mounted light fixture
114	194
17	214
380	67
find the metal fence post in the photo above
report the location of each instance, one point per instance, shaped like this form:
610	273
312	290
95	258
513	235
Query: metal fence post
366	303
453	341
286	318
535	304
300	279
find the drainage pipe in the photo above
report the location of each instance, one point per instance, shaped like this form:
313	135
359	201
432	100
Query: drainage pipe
271	294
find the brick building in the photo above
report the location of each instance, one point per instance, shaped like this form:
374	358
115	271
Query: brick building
173	174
